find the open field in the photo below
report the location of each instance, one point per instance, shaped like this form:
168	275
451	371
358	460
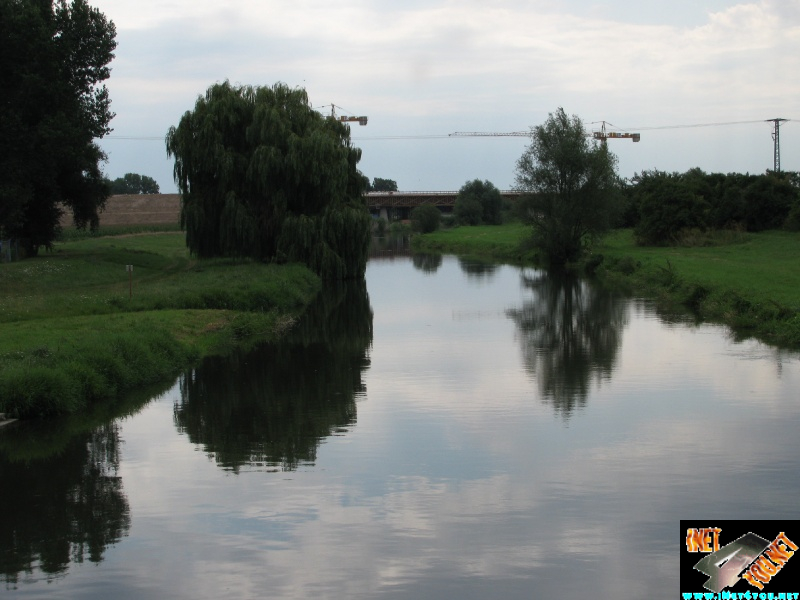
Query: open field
137	209
74	328
753	285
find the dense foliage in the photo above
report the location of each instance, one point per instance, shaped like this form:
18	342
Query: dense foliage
425	218
572	187
133	183
479	203
262	175
663	207
382	185
53	58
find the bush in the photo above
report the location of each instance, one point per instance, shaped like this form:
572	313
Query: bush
768	201
676	208
399	228
425	218
667	206
479	202
792	222
47	384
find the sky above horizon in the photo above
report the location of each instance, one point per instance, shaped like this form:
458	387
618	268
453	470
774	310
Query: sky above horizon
423	70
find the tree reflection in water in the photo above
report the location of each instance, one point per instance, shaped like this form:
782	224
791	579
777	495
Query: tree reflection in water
478	269
570	332
270	407
64	508
427	263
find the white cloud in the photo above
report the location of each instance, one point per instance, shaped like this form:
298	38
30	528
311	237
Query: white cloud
438	67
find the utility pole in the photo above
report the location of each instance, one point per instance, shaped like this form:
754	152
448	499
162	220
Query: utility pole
776	136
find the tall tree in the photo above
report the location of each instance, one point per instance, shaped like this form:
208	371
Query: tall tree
571	184
133	183
262	174
54	57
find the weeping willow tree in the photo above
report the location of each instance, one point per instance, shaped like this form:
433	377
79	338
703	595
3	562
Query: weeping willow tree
263	175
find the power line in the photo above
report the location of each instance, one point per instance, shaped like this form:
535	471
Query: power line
696	125
492	134
432	136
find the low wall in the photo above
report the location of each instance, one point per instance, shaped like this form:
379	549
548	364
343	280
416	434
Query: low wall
137	209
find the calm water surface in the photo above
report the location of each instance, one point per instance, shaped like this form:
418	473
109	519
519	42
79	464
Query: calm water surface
452	429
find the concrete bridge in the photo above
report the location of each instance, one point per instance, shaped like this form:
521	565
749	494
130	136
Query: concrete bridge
398	205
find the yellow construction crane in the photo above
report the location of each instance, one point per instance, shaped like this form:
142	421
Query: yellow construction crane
601	135
347	119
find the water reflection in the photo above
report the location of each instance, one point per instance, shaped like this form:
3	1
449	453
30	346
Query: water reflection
271	407
67	507
570	332
393	247
478	269
390	247
427	263
454	484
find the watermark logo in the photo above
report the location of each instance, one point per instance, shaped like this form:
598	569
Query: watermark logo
749	557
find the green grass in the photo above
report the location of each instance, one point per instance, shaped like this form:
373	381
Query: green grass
764	267
752	285
70	234
748	281
505	242
72	333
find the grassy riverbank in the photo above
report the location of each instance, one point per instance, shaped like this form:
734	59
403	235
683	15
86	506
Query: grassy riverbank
503	242
73	330
751	282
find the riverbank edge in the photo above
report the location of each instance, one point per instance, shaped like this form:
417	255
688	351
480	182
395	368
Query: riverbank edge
745	312
80	361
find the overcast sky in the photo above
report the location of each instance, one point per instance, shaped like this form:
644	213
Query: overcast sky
421	70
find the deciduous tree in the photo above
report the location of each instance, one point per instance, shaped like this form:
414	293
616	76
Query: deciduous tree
571	184
479	202
133	183
382	185
54	57
263	175
425	218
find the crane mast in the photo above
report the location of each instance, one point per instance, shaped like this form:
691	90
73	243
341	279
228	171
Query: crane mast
603	135
347	119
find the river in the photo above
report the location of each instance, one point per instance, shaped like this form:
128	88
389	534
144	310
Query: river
452	429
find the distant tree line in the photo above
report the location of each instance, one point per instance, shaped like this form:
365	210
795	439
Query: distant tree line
661	207
133	183
381	185
572	195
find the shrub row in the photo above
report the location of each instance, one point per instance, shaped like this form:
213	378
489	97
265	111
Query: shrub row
662	207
